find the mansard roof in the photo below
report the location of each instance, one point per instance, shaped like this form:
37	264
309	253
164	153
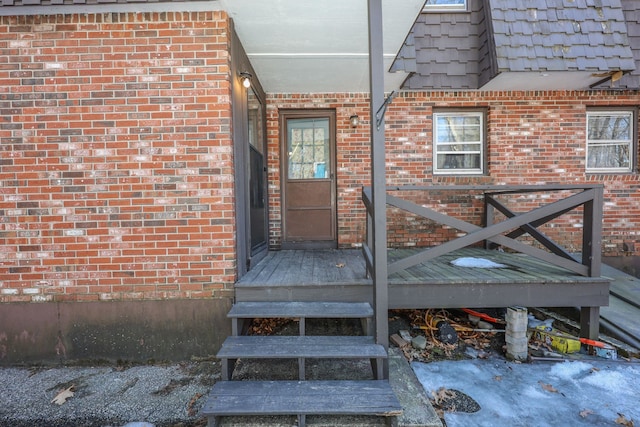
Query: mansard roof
506	44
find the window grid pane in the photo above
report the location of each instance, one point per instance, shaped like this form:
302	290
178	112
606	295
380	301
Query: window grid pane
458	143
609	141
444	5
308	149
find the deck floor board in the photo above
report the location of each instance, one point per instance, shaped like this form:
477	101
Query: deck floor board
300	268
339	275
311	267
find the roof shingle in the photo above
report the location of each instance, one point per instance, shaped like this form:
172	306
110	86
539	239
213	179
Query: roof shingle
591	33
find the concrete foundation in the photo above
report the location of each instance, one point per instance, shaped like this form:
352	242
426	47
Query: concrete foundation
123	331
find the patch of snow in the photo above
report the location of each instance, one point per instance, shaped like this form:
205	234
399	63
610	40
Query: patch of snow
587	393
476	263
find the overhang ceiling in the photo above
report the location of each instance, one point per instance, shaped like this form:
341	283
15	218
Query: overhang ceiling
318	46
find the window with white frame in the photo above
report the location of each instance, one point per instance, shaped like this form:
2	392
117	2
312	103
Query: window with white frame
445	5
458	142
610	136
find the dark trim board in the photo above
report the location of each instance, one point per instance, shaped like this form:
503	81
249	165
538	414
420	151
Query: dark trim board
587	293
460	295
485	295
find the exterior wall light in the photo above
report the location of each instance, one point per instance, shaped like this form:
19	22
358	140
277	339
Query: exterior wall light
354	120
246	79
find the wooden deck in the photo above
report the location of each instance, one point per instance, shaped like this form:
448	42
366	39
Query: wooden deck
339	275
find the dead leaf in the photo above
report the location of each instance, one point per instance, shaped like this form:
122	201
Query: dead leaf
547	387
191	407
62	397
585	413
617	76
340	265
267	326
498	378
441	395
623	421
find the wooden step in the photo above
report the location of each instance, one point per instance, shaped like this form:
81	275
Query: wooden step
286	309
301	398
299	347
299	310
283	347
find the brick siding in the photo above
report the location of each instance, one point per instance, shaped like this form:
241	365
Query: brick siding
116	168
535	137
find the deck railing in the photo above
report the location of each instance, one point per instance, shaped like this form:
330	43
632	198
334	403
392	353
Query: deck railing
505	233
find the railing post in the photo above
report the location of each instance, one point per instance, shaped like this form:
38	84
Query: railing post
369	231
592	232
488	218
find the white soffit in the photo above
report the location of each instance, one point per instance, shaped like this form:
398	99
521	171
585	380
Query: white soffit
542	80
318	46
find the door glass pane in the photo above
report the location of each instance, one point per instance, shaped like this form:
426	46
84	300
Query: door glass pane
308	148
257	199
257	184
256	127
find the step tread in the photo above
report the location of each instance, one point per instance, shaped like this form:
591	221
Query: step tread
322	310
374	397
253	346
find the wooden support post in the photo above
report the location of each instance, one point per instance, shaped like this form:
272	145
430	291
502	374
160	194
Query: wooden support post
236	326
392	421
590	322
301	369
227	368
367	326
378	367
302	325
378	180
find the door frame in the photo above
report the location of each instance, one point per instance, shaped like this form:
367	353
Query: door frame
284	115
241	156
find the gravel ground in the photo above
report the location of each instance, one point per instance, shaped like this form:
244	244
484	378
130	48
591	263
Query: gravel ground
106	396
158	396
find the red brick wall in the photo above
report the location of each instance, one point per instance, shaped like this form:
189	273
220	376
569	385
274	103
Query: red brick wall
116	173
535	137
